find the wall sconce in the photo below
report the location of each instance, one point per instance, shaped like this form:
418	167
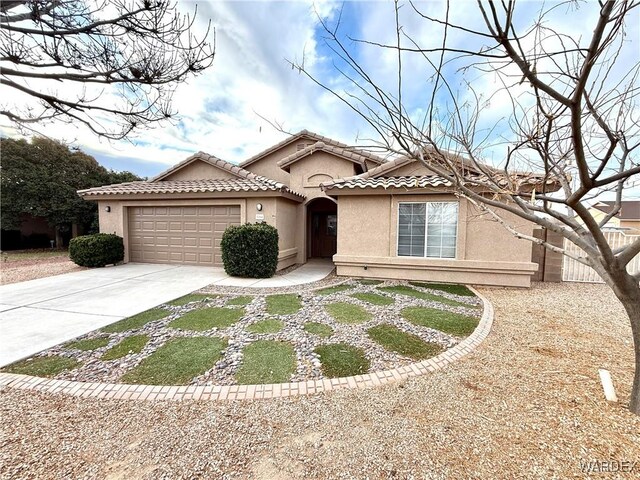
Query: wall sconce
107	209
259	207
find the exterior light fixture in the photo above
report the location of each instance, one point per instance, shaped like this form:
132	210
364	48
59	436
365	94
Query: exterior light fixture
259	207
107	208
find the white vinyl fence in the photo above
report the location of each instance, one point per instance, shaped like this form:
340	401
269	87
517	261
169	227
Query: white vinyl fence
573	271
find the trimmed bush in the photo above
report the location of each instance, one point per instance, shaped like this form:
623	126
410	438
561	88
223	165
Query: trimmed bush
96	250
250	250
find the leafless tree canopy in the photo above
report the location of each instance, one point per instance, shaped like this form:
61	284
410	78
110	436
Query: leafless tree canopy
110	65
573	118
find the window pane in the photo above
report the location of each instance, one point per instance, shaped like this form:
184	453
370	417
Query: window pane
449	230
448	252
433	252
411	229
449	242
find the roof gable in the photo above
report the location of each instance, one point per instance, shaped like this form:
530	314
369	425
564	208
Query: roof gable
353	156
230	170
314	138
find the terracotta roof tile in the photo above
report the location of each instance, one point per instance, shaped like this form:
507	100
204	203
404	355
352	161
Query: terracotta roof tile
410	181
254	184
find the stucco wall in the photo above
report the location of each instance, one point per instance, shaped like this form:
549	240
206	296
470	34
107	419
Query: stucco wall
485	254
199	170
287	225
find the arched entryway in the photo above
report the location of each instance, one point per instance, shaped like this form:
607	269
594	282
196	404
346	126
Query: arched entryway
322	228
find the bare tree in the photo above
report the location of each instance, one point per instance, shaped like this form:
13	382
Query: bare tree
109	65
572	121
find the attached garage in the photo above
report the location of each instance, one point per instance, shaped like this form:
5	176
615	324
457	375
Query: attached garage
184	235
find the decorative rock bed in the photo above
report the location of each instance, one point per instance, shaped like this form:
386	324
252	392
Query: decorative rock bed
314	309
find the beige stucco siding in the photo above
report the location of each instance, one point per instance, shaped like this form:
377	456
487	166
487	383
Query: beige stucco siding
287	225
198	170
485	254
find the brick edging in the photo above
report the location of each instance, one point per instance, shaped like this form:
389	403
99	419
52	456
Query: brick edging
251	392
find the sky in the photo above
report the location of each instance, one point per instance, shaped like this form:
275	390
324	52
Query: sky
228	110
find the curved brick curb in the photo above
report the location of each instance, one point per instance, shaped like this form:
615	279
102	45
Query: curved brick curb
251	392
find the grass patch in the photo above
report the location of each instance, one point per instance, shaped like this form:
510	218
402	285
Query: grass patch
192	297
448	322
133	344
270	325
407	344
17	256
285	304
267	361
348	313
241	301
319	329
412	292
208	318
342	360
374	298
369	281
42	366
177	361
137	321
331	290
88	344
445	287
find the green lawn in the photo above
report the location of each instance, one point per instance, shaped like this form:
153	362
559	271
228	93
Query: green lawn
369	281
343	312
88	343
285	304
342	360
133	344
177	361
16	256
319	329
266	361
42	366
407	344
331	290
271	325
137	321
446	287
374	298
447	322
412	292
241	301
208	318
192	297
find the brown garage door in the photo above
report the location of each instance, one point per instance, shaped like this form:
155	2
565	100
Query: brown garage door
189	235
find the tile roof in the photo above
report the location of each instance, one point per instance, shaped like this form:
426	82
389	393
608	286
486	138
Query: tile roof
211	160
312	136
256	184
355	156
409	181
629	209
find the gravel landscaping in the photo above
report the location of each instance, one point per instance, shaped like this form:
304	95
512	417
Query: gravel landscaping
527	404
26	265
271	338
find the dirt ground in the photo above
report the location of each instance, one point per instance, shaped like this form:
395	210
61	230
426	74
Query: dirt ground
527	404
23	266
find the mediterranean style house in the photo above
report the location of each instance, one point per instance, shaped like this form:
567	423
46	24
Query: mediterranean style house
374	218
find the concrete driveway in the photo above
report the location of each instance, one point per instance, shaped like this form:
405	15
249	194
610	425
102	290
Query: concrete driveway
41	313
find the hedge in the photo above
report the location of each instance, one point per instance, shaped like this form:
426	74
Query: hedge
250	250
96	250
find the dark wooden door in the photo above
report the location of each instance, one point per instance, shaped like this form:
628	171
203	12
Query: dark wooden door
324	229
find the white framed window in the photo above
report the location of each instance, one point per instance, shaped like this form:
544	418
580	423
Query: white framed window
427	229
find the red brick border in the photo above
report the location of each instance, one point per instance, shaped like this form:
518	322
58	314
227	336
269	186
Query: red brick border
251	392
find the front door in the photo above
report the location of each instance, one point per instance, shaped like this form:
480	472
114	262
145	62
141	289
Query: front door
324	230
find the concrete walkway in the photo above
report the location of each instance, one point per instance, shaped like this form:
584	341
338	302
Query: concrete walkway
39	314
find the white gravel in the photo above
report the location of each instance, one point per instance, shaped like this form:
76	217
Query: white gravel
526	404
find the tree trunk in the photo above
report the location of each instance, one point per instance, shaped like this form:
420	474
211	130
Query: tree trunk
628	292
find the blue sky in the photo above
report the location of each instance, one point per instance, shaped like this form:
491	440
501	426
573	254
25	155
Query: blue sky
221	110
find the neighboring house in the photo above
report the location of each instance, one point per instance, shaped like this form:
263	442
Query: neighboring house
627	218
377	219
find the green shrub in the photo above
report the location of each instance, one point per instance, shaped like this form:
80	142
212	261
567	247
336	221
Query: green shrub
250	250
96	250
